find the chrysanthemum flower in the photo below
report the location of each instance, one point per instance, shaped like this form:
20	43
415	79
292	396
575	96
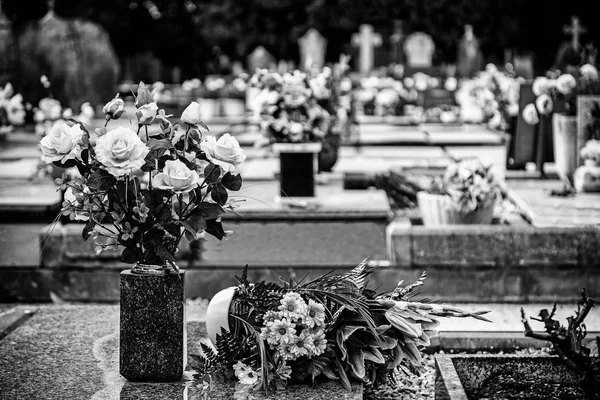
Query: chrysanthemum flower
270	316
245	374
303	346
292	306
319	343
282	331
315	315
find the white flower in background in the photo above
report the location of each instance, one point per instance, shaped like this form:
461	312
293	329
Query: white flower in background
513	109
146	113
491	68
540	85
225	152
544	104
565	83
530	114
387	97
214	84
589	71
409	82
495	121
191	115
87	113
63	143
591	151
372	82
365	95
245	374
176	176
345	85
51	108
451	84
15	111
296	131
420	82
121	151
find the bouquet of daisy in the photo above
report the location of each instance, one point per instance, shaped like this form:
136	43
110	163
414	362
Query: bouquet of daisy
12	111
332	328
145	187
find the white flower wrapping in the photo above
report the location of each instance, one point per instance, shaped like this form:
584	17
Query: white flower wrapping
176	176
530	114
62	143
225	152
121	151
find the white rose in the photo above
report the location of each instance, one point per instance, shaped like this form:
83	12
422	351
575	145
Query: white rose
540	85
146	113
176	176
62	143
544	104
565	83
114	108
530	114
15	111
191	115
589	71
225	152
121	151
51	108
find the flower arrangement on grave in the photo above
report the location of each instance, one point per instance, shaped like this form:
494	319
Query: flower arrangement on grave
491	97
564	88
49	111
333	328
468	194
12	111
290	106
146	188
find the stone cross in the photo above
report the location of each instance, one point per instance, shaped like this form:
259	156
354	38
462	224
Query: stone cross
312	49
366	40
575	29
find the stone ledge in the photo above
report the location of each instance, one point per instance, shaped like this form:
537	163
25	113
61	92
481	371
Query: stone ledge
514	245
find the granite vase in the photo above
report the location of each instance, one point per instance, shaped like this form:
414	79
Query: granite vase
566	151
298	167
152	326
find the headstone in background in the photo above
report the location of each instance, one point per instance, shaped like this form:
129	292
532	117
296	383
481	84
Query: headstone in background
523	65
570	53
419	49
397	43
312	49
260	58
469	59
75	55
366	40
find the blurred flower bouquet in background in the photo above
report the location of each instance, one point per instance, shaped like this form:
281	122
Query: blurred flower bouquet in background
468	194
12	110
491	97
145	189
331	328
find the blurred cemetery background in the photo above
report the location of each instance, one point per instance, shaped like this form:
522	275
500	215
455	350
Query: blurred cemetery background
429	82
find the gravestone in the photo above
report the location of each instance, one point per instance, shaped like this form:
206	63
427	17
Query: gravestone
366	40
419	49
312	50
523	145
260	58
569	54
75	55
469	59
397	43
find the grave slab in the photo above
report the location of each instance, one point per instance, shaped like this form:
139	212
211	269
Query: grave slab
23	196
71	351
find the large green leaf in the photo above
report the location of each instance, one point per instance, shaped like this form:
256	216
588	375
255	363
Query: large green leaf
231	181
101	180
357	362
342	334
373	354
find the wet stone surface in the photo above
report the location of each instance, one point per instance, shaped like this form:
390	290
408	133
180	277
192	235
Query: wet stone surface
72	352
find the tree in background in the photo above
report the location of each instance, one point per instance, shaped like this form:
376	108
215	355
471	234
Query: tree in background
191	34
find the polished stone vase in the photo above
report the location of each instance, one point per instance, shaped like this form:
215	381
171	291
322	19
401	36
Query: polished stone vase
566	150
152	326
329	153
298	167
